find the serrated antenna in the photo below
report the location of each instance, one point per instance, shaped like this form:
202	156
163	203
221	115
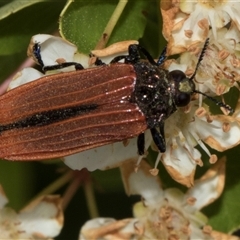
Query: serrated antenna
218	103
200	58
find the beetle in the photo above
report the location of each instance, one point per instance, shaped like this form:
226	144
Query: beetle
65	113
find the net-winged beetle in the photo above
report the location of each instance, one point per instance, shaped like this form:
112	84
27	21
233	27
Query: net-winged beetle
61	114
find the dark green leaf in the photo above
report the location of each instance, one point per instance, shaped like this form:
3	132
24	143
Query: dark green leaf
83	22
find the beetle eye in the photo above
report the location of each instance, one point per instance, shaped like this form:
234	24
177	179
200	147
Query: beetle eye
182	99
177	75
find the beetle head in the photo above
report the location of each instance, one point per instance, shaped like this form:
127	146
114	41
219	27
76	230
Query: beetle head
182	88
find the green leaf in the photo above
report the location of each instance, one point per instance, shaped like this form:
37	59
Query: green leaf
83	22
17	29
16	6
17	180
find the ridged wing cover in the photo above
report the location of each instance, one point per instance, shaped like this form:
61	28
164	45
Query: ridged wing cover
115	118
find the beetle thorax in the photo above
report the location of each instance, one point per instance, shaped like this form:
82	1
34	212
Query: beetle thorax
153	93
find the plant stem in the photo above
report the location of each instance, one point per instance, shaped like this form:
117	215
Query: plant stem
111	24
53	187
91	201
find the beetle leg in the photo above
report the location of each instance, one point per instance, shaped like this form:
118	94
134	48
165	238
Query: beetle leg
77	66
141	144
134	55
38	57
37	54
158	138
98	61
134	50
162	56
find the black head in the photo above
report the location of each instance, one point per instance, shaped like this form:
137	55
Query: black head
181	87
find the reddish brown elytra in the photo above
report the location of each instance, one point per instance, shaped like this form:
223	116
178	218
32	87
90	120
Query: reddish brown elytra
65	113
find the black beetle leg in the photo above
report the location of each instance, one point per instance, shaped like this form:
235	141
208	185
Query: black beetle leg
162	56
37	54
134	56
134	50
158	139
141	143
98	61
38	57
77	66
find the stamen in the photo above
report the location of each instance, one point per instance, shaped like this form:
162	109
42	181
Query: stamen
154	172
202	145
158	160
174	144
182	137
213	159
140	157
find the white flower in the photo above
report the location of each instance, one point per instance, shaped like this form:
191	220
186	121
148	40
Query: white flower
42	219
108	156
54	50
170	213
109	228
218	71
186	23
185	130
162	214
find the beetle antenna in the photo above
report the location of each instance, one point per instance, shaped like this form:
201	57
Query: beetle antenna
200	58
218	103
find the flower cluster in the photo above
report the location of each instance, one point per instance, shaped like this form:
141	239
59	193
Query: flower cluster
186	27
42	219
162	214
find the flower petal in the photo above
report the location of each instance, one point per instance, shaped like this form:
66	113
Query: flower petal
52	49
180	164
25	76
108	156
109	228
209	187
222	133
42	218
141	182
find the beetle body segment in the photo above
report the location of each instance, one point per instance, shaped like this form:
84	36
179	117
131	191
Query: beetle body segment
153	93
